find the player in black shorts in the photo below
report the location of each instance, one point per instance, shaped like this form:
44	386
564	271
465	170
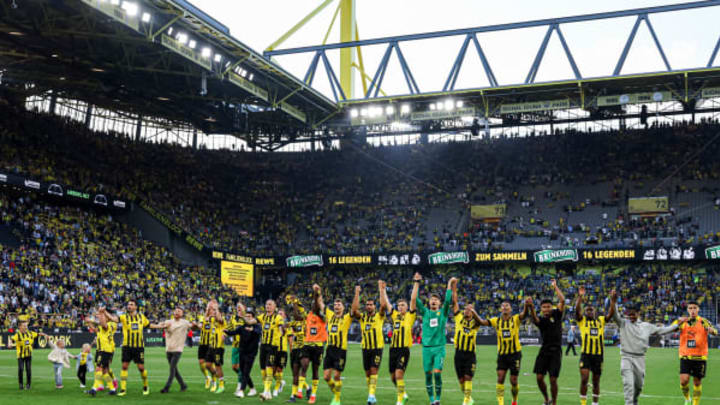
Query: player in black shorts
549	359
467	324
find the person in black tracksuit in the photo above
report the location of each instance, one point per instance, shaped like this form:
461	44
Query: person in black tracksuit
250	334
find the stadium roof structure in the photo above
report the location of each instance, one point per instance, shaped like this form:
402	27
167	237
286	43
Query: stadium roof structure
161	58
168	59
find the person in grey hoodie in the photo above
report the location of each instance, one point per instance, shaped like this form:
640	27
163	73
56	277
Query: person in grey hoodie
634	342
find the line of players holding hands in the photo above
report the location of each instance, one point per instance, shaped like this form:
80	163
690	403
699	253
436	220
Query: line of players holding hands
321	334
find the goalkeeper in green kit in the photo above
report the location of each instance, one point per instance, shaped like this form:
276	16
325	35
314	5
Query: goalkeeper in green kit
434	319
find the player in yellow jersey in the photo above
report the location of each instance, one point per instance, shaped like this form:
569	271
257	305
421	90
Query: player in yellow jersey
272	326
296	341
338	324
133	346
23	341
592	333
467	324
507	329
371	324
105	340
402	339
281	358
216	352
205	324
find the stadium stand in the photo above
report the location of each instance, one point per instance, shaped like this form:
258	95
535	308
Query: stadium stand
566	189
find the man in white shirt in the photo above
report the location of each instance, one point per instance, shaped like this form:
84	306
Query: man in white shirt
176	329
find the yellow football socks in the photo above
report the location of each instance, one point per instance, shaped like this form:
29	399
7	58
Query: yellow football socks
697	393
400	390
500	393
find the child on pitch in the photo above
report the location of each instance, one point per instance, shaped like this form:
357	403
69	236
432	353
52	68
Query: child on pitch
59	357
84	364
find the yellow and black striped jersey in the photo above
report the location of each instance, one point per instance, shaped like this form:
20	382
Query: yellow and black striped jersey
106	337
508	334
235	322
372	330
206	325
402	328
217	333
24	343
284	341
592	333
271	325
296	332
83	358
338	327
132	329
465	332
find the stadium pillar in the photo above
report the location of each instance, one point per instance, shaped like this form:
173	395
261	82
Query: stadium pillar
194	138
88	115
138	128
53	104
424	138
348	28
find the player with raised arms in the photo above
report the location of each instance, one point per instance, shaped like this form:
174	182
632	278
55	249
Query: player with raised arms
371	325
467	324
549	358
402	322
434	317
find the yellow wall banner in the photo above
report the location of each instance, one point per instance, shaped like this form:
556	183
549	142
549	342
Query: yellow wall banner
239	276
648	205
487	211
544	105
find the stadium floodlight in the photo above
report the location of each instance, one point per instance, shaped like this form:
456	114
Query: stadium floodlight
146	17
432	106
372	111
405	109
192	44
364	112
218	57
182	38
459	104
115	2
354	113
449	105
170	30
389	110
251	76
130	8
206	53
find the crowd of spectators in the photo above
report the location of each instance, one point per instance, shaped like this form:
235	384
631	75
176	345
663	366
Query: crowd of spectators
72	260
366	199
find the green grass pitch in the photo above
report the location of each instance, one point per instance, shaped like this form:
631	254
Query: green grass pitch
661	387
